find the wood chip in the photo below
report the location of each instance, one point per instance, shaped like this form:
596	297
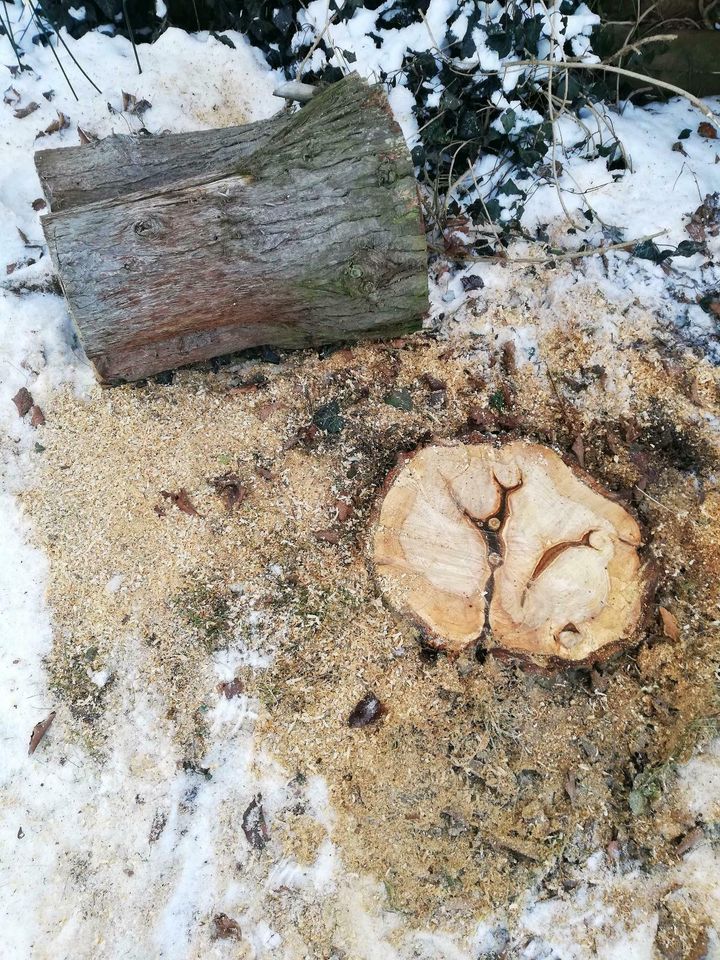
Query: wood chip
39	731
671	628
689	841
578	448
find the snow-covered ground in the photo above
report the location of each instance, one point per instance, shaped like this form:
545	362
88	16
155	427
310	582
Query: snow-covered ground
78	876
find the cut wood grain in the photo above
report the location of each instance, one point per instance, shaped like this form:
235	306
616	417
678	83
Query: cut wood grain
298	231
510	546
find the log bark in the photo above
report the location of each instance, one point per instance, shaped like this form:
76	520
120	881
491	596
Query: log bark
298	231
509	546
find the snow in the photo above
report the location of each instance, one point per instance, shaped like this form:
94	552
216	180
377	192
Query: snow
65	817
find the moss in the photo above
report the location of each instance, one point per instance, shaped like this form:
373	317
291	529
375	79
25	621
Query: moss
206	610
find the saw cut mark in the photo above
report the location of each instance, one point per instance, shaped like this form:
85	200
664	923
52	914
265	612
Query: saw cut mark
509	546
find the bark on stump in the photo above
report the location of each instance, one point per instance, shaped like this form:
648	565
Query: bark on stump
300	230
510	546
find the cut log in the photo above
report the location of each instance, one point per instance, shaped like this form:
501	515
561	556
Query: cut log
301	230
510	546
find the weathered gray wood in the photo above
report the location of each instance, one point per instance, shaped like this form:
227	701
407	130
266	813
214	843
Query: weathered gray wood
120	165
316	235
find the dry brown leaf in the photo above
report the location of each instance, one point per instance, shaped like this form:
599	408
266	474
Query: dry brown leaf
344	510
23	112
181	500
23	400
230	488
366	711
707	130
37	417
11	96
86	137
670	625
56	126
39	204
39	731
226	928
231	688
327	536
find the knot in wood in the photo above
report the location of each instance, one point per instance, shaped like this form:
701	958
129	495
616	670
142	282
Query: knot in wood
148	227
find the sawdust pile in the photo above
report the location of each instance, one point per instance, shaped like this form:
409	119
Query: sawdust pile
232	506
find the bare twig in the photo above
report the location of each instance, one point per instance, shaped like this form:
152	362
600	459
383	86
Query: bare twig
131	34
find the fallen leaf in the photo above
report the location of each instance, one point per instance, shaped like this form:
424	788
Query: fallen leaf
254	825
366	711
11	268
327	418
23	400
37	417
472	283
230	488
400	399
11	96
39	731
85	136
433	383
344	510
61	123
181	500
578	448
128	102
670	625
679	148
707	130
327	536
255	382
226	928
23	112
39	204
230	688
263	411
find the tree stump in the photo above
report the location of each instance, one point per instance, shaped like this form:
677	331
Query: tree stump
510	546
300	230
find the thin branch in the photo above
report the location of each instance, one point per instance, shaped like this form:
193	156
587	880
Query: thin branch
54	52
569	255
130	34
67	49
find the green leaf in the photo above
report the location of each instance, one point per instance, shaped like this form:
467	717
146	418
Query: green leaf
328	418
401	399
508	120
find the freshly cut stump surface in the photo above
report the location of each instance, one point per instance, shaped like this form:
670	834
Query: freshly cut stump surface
509	545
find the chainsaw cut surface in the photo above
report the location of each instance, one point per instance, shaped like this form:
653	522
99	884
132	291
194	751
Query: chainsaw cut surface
510	545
